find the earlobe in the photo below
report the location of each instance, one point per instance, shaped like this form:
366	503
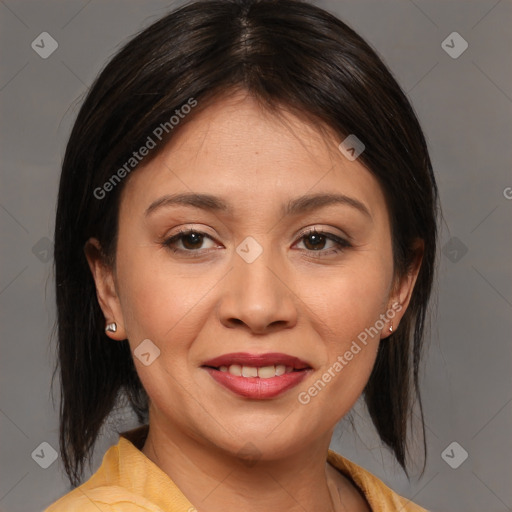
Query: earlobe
399	301
106	292
390	328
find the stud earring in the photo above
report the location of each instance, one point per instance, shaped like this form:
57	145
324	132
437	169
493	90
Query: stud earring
111	327
391	327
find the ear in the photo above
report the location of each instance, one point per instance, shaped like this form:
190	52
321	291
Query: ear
402	289
106	292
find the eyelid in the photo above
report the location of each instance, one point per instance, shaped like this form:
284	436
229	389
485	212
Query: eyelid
186	230
305	231
324	231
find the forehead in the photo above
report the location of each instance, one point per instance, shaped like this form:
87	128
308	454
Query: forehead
236	149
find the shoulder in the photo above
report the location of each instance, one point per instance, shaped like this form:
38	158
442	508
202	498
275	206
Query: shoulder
379	495
124	482
104	499
77	500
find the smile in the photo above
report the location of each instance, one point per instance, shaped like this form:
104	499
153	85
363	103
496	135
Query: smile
263	372
257	376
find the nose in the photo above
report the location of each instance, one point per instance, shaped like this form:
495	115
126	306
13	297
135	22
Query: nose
258	296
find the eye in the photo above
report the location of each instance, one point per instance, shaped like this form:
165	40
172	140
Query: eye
315	241
191	240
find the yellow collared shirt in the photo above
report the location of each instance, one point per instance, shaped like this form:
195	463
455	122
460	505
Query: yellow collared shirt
128	481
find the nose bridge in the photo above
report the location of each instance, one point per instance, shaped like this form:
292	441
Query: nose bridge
255	292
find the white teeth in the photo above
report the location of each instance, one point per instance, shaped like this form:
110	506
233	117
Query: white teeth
266	372
263	372
249	371
235	369
280	369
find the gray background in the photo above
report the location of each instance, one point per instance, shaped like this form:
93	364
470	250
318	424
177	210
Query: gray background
464	105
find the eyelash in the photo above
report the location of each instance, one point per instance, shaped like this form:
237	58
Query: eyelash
341	243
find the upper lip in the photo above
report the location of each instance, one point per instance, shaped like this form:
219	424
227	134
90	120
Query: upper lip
257	360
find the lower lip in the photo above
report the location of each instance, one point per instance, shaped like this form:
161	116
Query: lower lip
255	387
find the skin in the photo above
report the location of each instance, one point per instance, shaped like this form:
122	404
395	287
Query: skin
288	300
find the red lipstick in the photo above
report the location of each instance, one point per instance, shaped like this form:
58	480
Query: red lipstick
245	359
240	373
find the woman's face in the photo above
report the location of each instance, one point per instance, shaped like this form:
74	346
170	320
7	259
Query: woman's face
252	290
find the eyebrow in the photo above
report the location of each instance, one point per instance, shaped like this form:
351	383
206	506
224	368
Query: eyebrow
296	206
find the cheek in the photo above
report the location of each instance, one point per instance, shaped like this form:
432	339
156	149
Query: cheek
160	305
157	302
346	305
347	311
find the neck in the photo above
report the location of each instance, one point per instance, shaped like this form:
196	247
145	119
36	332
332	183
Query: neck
215	481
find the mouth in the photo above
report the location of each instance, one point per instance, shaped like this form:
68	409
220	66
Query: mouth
257	376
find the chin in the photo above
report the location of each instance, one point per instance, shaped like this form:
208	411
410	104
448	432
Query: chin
266	440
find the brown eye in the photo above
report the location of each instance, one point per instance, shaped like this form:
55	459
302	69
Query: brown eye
315	241
191	241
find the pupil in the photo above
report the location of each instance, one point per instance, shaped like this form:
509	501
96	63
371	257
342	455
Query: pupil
191	236
317	239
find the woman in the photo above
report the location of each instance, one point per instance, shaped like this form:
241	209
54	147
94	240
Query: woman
244	245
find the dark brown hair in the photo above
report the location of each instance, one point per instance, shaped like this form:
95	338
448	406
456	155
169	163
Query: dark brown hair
286	53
